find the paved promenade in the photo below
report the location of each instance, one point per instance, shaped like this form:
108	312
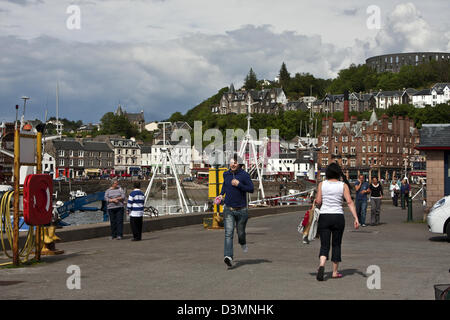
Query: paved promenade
187	263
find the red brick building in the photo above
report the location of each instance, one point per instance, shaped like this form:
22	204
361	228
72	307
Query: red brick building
374	147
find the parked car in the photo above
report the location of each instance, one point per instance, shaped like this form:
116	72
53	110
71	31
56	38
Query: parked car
126	175
438	218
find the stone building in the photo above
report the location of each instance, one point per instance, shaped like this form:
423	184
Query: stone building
264	101
136	119
435	142
78	158
376	147
394	62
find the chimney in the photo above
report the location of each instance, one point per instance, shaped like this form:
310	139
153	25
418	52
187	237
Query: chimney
384	122
346	109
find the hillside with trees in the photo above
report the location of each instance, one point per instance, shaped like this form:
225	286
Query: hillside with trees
359	78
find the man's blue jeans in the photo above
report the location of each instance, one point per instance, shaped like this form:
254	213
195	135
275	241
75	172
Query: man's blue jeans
231	219
361	208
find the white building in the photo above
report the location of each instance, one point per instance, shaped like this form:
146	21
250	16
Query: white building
422	98
181	155
385	99
48	164
151	126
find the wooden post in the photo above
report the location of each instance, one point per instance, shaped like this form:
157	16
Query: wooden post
37	254
16	260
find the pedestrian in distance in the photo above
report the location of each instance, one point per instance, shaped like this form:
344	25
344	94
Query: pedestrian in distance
330	194
236	184
404	190
362	190
395	191
115	197
376	195
135	209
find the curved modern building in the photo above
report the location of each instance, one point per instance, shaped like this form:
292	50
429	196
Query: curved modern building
393	62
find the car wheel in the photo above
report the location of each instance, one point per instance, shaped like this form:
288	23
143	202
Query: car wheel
447	230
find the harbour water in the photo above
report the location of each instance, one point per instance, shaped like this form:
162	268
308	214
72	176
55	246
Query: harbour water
89	217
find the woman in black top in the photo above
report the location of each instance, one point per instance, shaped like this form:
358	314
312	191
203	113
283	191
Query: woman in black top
376	194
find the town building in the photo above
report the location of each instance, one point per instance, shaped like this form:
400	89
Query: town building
394	62
376	147
72	158
146	159
181	156
6	143
170	129
267	101
136	119
435	142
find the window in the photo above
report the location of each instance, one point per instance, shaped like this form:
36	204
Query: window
80	163
344	149
71	162
352	150
71	153
369	149
374	148
398	139
374	161
363	161
375	127
61	153
352	163
61	162
344	138
336	150
335	139
369	138
81	153
344	161
364	138
364	149
375	138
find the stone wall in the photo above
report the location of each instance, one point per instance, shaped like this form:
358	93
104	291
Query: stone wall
435	177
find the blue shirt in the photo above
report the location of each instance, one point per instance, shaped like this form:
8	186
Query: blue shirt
359	195
236	196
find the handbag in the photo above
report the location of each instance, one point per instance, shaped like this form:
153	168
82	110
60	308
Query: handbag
314	225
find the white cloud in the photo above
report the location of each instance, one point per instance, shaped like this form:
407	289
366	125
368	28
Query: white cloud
167	56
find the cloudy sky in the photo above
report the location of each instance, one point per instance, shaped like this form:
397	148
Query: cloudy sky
163	56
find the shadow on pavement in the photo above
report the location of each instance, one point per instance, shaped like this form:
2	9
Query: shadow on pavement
254	261
345	273
439	239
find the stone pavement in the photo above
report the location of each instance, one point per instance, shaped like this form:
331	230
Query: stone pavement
187	263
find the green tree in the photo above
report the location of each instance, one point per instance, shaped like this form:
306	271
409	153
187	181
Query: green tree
284	75
115	124
251	81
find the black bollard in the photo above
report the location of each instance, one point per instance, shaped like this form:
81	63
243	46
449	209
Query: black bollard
410	213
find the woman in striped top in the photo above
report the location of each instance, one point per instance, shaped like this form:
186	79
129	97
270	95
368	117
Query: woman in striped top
135	209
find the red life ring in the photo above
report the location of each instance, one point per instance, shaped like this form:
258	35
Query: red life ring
37	199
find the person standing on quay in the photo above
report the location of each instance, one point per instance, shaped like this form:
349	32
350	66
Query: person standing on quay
236	184
362	189
330	194
376	194
395	190
115	197
404	190
135	209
